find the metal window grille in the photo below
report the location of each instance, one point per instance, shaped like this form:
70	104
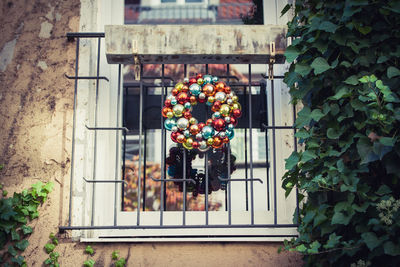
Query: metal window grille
255	116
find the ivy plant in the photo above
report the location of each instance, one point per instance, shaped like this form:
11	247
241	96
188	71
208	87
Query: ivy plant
15	214
345	72
52	260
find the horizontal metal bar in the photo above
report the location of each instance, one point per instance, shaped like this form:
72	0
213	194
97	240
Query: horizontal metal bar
171	180
240	180
108	128
194	236
87	77
157	77
276	127
85	34
152	85
105	181
125	227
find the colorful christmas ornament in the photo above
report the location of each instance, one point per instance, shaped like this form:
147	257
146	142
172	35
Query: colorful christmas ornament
215	131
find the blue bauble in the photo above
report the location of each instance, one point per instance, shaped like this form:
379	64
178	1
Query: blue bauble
207	132
187	105
169	123
215	79
230	134
195	89
207	79
171	171
174	101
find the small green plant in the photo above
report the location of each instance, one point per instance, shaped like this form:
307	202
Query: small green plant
89	250
121	262
52	261
89	263
15	213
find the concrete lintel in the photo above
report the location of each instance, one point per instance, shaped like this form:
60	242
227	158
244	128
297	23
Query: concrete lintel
178	44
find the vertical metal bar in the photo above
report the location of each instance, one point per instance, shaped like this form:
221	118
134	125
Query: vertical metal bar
144	168
162	150
251	149
73	131
245	154
117	147
185	71
140	151
229	185
184	189
273	147
267	145
144	150
124	148
295	149
206	192
95	132
206	68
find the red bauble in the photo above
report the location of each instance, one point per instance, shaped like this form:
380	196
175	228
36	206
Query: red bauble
220	86
174	91
225	140
185	88
165	110
167	103
209	89
187	114
216	106
199	76
237	113
195	144
227	89
192	80
174	135
219	125
202	100
182	98
201	125
192	100
217	142
234	121
209	122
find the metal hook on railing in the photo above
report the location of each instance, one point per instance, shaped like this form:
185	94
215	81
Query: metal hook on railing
136	60
271	61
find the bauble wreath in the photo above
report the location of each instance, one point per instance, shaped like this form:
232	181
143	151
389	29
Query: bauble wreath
217	130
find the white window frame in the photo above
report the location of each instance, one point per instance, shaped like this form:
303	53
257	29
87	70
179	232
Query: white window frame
94	15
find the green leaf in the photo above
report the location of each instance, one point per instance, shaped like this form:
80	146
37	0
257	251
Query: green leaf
302	133
387	141
343	92
352	80
383	190
291	53
48	261
12	250
292	160
391	249
314	247
302	69
392	72
14	235
371	240
333	133
18	260
115	255
328	26
89	250
89	263
49	247
320	65
340	218
120	263
308	155
22	245
301	248
316	114
303	117
332	241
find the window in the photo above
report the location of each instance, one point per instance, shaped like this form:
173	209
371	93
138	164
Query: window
109	140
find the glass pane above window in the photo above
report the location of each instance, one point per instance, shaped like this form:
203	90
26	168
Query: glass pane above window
188	12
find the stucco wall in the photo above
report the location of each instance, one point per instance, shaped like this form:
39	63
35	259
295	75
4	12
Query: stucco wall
36	120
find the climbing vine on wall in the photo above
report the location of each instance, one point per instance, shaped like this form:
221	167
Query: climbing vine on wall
345	71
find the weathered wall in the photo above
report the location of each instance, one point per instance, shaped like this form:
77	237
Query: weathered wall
36	119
